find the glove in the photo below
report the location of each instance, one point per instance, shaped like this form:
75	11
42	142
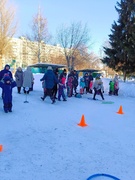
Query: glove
60	84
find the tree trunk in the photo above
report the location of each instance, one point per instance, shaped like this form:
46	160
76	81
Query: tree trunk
124	75
72	63
68	62
1	63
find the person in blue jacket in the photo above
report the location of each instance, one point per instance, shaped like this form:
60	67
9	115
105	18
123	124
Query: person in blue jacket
5	72
50	80
7	85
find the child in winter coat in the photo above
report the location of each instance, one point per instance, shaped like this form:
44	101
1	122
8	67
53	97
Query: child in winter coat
90	83
90	87
82	85
7	85
75	81
70	85
98	88
61	89
111	88
5	72
86	80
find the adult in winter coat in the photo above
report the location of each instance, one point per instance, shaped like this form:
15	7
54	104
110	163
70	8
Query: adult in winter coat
6	72
7	85
50	81
27	79
98	87
19	79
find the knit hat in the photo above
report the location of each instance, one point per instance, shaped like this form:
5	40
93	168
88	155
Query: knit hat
7	66
7	78
49	68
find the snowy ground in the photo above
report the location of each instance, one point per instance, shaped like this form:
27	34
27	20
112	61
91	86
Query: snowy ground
42	141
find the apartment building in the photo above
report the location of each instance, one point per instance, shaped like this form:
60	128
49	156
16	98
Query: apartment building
26	52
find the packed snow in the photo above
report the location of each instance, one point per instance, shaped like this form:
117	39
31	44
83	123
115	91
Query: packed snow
42	141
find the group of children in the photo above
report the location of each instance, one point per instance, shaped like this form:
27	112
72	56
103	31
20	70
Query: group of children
98	87
114	86
83	86
86	84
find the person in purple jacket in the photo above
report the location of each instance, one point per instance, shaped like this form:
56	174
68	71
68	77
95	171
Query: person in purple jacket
7	85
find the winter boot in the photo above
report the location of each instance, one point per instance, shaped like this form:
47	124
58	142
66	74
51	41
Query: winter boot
42	98
19	89
53	101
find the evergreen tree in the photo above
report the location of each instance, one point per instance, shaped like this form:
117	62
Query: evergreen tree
120	56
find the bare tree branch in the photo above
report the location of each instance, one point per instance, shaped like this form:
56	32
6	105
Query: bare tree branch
72	38
8	28
39	33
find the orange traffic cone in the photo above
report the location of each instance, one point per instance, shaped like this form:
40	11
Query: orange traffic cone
1	148
120	110
82	122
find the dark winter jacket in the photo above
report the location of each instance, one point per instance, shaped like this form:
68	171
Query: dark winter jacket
75	80
5	72
50	79
90	78
63	74
86	80
56	72
7	90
